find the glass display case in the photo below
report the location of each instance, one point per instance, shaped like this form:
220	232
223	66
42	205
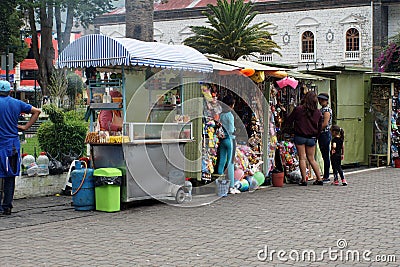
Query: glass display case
165	132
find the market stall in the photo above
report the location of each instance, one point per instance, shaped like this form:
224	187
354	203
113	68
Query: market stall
285	94
149	149
247	83
384	108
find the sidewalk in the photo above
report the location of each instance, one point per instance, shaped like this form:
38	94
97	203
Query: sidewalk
42	210
232	231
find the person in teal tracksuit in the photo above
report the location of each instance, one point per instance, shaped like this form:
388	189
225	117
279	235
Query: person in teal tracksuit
226	149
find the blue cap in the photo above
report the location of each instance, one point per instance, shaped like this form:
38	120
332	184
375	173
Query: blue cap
5	86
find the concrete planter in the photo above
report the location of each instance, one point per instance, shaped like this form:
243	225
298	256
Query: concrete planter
38	186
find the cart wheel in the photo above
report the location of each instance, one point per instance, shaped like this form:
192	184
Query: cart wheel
180	196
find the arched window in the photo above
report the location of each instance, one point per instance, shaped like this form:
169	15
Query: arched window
352	40
307	41
307	46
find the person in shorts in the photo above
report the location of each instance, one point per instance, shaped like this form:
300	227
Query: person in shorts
306	120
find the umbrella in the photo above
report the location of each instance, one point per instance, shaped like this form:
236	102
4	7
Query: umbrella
292	82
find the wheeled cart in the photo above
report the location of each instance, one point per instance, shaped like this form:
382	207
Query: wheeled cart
152	166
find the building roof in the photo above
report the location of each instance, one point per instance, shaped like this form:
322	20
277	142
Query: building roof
179	4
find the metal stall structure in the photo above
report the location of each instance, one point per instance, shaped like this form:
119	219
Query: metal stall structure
150	154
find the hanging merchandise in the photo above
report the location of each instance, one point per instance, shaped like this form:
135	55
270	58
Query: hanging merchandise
292	82
258	76
211	111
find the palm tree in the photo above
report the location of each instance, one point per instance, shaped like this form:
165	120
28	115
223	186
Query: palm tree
230	34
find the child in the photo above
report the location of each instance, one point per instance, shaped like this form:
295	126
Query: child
337	154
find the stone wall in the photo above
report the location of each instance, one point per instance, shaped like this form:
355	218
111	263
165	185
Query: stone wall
288	28
38	186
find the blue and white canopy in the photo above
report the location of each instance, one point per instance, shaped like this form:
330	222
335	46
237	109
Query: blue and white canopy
103	51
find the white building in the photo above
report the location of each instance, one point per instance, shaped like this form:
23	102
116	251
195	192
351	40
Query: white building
311	33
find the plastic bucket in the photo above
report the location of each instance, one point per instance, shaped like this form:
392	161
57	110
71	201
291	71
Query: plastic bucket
222	187
277	179
83	198
397	163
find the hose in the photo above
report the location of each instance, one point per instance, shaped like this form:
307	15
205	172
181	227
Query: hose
83	180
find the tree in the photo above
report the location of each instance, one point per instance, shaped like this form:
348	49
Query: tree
231	33
389	59
42	13
58	86
139	19
74	87
10	34
82	11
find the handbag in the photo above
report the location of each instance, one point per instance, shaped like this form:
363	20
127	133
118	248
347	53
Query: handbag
220	133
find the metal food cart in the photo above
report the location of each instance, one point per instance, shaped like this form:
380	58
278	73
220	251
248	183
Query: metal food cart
151	155
152	160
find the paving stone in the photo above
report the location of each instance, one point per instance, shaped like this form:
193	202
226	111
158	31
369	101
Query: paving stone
48	231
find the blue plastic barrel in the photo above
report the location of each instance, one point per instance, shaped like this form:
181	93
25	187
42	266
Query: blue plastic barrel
84	198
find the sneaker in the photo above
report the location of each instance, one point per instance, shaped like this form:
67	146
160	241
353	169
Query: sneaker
320	182
7	211
336	182
237	191
326	180
303	183
344	182
232	190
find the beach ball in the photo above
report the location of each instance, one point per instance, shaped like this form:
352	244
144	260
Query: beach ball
244	185
253	184
237	184
259	176
238	174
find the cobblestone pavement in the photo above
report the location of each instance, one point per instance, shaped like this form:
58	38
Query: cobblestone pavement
233	231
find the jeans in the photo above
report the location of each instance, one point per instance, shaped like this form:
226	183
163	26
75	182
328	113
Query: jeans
225	159
337	168
324	141
7	195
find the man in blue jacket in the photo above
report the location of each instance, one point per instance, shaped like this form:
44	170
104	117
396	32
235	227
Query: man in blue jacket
10	158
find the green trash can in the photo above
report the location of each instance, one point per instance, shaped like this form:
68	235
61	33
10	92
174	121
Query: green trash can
107	189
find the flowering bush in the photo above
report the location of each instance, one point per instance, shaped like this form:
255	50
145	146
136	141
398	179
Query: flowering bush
389	59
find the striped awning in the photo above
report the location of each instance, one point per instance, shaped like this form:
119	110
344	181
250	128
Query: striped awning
103	51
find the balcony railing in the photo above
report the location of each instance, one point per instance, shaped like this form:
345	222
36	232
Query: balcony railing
352	55
305	57
265	58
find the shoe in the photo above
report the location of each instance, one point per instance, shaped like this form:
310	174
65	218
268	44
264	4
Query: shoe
320	182
232	191
336	182
344	182
237	191
303	183
326	180
7	211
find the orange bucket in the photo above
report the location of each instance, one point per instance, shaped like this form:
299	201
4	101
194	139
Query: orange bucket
397	163
277	179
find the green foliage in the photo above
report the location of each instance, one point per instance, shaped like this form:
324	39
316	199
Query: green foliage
75	84
10	35
230	35
56	115
30	145
389	59
64	134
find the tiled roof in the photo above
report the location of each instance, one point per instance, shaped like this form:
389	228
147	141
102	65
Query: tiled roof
173	4
180	4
